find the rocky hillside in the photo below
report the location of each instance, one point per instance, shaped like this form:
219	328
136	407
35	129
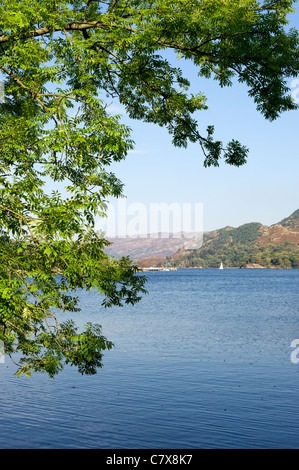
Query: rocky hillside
292	222
250	245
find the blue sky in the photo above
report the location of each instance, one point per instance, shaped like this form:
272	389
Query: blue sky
264	190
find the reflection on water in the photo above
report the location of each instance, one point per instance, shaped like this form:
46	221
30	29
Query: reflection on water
203	361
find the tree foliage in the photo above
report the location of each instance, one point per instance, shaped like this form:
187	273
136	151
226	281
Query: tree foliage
63	62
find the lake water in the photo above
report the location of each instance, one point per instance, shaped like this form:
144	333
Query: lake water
203	361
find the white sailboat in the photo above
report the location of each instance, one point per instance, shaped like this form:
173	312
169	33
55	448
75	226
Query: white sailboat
221	265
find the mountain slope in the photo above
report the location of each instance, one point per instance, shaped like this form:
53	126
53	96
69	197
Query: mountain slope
146	246
292	222
250	245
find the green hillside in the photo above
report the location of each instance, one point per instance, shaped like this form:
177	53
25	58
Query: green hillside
239	247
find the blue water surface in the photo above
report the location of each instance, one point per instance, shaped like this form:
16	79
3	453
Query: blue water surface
203	361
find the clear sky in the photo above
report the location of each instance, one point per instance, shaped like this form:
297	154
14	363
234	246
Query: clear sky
264	190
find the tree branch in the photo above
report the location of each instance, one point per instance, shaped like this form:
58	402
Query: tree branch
69	27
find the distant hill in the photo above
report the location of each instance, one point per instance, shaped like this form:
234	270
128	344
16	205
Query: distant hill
250	245
147	246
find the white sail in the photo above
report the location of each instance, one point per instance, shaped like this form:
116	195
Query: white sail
221	266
